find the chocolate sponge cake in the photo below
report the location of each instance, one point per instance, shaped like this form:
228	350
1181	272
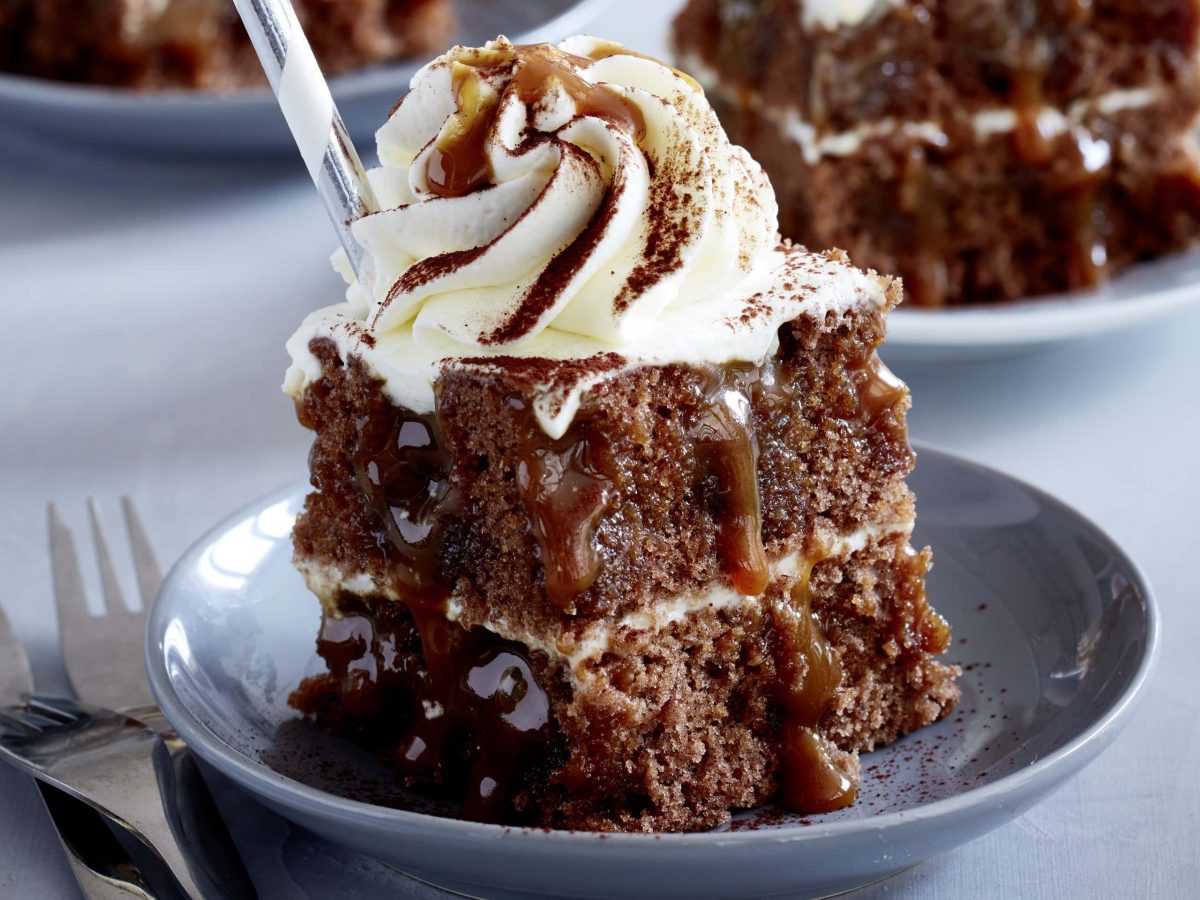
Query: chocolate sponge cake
159	44
983	150
622	542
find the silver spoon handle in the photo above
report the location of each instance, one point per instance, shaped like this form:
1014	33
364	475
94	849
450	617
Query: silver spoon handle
316	125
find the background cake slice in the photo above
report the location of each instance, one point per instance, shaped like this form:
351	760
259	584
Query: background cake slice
157	44
983	150
612	534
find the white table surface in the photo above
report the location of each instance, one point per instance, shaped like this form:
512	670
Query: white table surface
145	306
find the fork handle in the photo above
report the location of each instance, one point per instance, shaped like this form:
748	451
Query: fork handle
101	867
211	855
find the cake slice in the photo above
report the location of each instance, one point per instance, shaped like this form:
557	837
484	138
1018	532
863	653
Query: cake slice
609	522
983	150
156	44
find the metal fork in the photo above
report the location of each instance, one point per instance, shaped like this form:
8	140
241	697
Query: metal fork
105	760
102	867
103	655
97	649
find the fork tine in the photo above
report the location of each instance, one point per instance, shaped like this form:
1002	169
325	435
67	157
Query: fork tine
69	596
57	708
37	720
103	653
149	575
13	726
109	586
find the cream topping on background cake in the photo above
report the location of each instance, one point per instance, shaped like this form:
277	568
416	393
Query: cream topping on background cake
569	202
815	145
833	14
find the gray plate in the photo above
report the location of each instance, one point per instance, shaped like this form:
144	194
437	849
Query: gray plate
1145	292
197	123
1055	628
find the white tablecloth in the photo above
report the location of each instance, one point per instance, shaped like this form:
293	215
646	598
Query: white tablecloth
145	306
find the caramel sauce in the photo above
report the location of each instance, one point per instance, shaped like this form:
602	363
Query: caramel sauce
459	164
404	473
1087	252
876	398
476	696
1032	145
921	625
566	486
808	673
726	454
922	196
473	712
1077	207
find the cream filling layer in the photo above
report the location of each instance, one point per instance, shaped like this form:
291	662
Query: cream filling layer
835	14
575	653
1051	122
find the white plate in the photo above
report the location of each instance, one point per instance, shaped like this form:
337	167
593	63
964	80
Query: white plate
199	123
1054	625
1138	295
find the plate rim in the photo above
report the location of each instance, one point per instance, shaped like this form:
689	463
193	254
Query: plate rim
345	87
1047	318
259	779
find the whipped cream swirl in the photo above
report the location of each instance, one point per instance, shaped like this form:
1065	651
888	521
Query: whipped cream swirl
578	204
580	188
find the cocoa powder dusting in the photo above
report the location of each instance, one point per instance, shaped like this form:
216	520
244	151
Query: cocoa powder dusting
427	271
669	228
558	274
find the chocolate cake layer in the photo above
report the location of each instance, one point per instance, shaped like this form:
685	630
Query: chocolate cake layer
827	433
983	151
670	728
201	43
931	60
985	219
701	597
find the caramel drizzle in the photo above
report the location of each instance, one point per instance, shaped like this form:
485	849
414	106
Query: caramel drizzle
476	696
490	708
459	165
726	452
472	710
403	471
1087	253
566	486
808	673
922	196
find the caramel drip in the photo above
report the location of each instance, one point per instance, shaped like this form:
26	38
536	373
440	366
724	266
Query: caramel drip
543	67
726	454
459	165
920	625
1087	251
1086	254
566	486
875	399
923	198
476	696
404	473
473	712
1033	147
809	673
